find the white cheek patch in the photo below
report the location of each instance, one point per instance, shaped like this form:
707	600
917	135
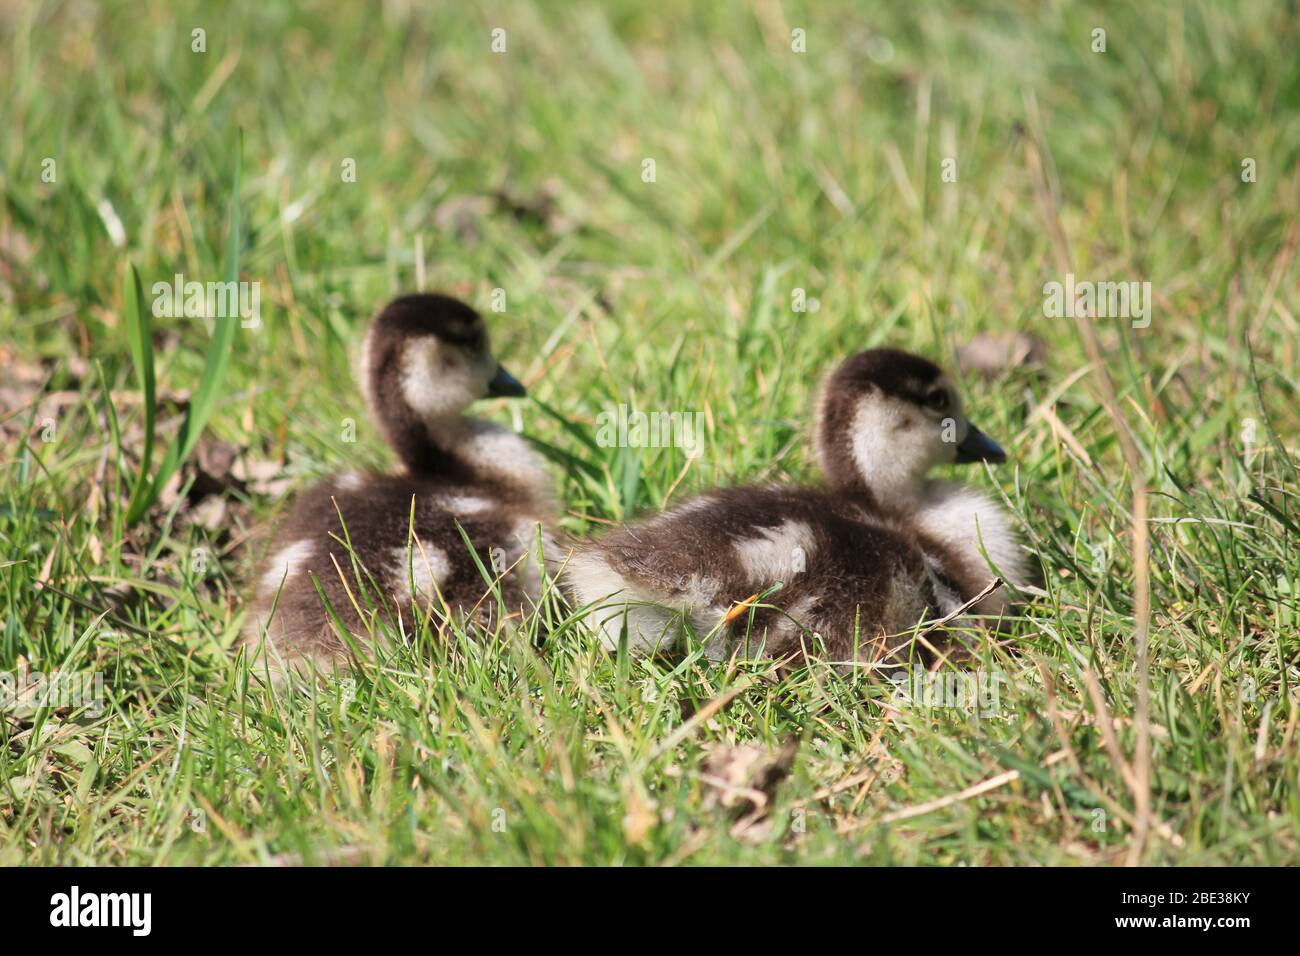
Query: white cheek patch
777	554
878	443
893	454
287	564
435	389
350	481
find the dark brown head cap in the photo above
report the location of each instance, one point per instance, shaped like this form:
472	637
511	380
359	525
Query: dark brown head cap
892	371
424	361
429	313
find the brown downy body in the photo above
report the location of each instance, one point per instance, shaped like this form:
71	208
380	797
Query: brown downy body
424	361
860	562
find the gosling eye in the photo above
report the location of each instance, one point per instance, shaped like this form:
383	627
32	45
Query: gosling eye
473	347
937	400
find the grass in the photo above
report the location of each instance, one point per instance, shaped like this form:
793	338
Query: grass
774	171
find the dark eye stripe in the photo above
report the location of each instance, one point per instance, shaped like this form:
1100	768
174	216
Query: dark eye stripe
472	339
938	400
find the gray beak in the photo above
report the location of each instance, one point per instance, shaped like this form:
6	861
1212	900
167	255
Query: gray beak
505	385
978	446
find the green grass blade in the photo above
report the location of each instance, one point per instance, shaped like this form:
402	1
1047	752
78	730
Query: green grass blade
140	332
218	357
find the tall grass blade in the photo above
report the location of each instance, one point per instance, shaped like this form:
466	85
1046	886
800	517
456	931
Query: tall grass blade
214	367
140	332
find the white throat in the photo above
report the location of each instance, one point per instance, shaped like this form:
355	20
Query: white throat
498	453
442	394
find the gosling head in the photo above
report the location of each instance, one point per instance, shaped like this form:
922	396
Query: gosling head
429	353
885	418
425	359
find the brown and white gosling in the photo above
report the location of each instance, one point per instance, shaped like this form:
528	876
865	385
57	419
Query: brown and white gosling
861	561
424	360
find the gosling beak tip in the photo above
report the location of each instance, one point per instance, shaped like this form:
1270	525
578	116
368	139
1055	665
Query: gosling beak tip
977	446
505	385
